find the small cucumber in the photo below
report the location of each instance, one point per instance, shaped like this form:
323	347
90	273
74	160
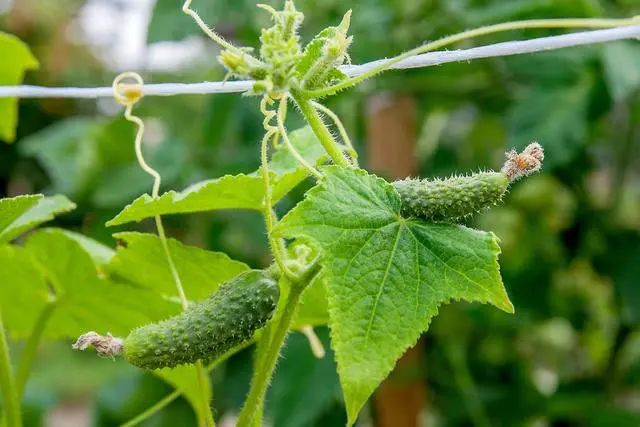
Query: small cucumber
207	329
452	198
459	196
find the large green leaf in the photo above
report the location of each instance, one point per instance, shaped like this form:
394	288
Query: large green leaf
231	191
16	59
99	253
86	299
23	290
53	268
142	261
386	275
23	213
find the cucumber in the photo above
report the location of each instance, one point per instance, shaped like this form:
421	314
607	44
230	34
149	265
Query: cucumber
452	198
207	329
460	196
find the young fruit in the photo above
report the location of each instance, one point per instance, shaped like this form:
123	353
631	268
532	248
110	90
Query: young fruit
452	198
203	331
459	196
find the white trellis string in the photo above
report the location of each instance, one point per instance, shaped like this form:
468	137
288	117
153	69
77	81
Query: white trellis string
424	60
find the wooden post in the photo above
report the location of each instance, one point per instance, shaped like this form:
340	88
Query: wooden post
391	133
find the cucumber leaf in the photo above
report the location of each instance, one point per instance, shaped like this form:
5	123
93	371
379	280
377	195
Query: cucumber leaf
231	191
386	275
141	261
23	213
54	269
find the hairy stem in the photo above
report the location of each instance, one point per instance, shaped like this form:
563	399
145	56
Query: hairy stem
287	142
186	8
264	371
203	383
319	128
159	405
343	132
31	347
469	34
271	134
10	396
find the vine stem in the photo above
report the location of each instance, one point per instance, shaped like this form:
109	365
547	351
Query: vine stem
264	370
320	129
31	347
7	386
129	96
217	38
343	132
287	142
271	134
469	34
159	405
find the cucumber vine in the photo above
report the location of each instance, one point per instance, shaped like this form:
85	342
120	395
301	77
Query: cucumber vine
386	254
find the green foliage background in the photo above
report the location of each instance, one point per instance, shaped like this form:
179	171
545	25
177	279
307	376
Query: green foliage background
570	237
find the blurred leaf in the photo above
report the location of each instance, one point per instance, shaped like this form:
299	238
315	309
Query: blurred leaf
500	11
231	191
23	213
16	59
142	261
621	63
23	290
122	179
68	153
127	395
304	387
614	417
54	269
621	264
86	300
560	68
548	199
185	379
95	157
100	254
392	272
556	117
168	22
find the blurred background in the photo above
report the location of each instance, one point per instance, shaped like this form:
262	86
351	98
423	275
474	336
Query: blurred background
570	356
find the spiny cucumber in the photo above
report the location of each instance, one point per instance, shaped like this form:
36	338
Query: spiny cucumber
459	196
452	198
203	331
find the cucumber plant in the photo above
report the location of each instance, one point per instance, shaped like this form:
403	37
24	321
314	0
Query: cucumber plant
376	258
